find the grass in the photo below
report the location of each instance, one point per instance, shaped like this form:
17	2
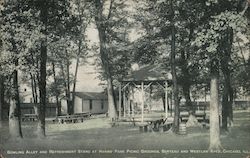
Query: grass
97	134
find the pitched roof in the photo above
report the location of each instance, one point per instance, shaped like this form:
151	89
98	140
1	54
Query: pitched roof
91	95
148	73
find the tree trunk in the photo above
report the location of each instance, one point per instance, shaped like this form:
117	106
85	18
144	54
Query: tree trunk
80	43
42	90
215	143
32	88
163	101
101	27
225	107
174	76
42	82
227	100
71	109
58	106
15	111
66	90
75	76
111	108
186	92
34	92
171	103
34	79
186	83
1	99
230	106
186	78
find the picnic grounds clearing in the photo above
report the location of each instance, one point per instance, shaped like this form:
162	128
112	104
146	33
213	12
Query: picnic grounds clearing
96	138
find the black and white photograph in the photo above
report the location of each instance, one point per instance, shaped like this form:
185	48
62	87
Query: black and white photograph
124	78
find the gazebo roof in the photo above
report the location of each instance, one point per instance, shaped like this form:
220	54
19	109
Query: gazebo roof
148	73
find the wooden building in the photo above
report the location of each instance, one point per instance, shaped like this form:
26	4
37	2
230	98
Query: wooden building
29	108
93	102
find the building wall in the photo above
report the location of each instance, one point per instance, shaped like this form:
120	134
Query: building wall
82	105
64	108
50	111
97	106
27	111
78	103
85	106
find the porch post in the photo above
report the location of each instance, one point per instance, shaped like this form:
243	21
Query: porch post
166	99
142	101
120	100
124	103
133	103
129	101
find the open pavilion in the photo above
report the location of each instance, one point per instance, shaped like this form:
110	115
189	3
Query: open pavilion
142	79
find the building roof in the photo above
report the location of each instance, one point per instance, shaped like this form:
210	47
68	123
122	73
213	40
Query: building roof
92	95
148	73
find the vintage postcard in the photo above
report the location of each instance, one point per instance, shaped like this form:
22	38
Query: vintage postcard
124	78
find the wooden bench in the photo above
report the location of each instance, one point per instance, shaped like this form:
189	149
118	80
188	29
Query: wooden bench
78	117
83	114
132	120
29	117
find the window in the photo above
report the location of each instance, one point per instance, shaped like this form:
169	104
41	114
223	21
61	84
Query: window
90	104
102	104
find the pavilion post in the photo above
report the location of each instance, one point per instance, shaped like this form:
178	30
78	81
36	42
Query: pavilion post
129	101
128	106
142	101
166	99
124	103
172	103
133	103
120	100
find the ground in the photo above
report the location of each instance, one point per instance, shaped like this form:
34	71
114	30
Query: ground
97	135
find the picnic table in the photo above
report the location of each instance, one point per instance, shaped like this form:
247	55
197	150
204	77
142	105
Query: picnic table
29	117
77	117
154	125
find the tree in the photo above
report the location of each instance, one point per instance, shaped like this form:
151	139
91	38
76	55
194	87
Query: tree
1	90
173	69
43	61
214	107
227	96
1	98
17	38
67	44
221	17
57	24
109	29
